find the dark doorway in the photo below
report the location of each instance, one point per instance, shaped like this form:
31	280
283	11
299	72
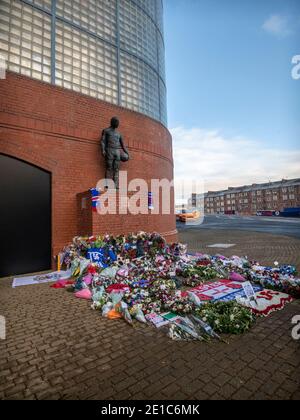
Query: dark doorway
25	217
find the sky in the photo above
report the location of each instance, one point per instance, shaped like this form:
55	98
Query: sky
233	105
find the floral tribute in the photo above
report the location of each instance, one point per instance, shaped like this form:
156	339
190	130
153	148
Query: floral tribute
141	277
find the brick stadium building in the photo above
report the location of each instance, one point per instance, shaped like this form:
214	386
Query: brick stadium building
71	66
250	199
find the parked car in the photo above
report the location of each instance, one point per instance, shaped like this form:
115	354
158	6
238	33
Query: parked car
184	215
265	213
287	212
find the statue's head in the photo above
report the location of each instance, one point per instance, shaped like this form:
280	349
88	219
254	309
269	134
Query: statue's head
114	122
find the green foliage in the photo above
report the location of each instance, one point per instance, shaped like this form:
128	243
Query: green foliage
226	317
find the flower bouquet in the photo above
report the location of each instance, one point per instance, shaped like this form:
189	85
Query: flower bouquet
100	298
151	306
163	285
183	329
282	278
137	313
179	305
198	274
226	317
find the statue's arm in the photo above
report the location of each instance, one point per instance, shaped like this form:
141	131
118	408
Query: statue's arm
103	143
123	145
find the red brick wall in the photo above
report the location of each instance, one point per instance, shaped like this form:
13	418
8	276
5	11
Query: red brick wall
59	130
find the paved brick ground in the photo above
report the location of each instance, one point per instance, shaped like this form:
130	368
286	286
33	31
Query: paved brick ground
263	247
57	348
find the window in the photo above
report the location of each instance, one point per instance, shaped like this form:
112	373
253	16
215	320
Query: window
163	102
139	86
138	32
45	4
85	64
98	17
25	43
86	48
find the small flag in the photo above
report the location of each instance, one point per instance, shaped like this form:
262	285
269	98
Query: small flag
95	198
150	201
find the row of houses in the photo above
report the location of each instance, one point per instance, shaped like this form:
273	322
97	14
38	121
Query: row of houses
250	199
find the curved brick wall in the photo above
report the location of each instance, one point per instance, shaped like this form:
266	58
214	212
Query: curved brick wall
59	131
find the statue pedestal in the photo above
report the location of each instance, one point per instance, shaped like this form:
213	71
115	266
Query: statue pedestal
90	222
122	221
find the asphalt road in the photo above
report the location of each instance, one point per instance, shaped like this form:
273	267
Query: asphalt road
276	225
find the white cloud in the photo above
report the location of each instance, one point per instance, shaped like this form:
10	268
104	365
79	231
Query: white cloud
277	25
221	162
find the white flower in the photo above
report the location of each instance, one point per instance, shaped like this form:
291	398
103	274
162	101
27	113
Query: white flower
231	317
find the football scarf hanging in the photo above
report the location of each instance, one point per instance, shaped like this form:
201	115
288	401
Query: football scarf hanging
150	201
95	198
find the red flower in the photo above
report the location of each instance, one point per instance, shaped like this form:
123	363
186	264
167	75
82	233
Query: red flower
92	269
203	263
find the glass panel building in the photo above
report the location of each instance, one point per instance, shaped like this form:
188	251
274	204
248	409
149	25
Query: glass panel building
112	50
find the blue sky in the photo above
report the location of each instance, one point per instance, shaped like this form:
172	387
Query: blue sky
228	65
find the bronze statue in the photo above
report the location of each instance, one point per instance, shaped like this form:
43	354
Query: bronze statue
113	150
